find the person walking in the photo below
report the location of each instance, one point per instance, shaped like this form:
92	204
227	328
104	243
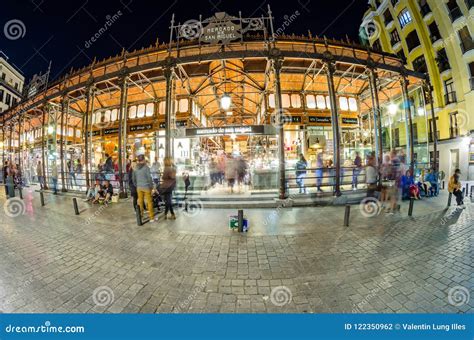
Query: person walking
5	175
133	188
301	166
371	177
167	186
10	179
144	184
39	173
319	171
454	187
54	177
356	170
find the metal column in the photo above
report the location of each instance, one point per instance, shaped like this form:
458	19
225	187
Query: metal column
408	123
89	100
429	93
330	68
43	162
64	109
122	134
377	116
168	73
277	66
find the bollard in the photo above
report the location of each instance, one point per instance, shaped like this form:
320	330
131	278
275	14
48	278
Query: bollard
42	198
410	207
240	216
139	216
467	189
472	188
20	192
449	199
76	209
347	214
443	185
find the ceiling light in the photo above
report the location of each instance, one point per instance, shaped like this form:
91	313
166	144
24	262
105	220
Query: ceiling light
226	101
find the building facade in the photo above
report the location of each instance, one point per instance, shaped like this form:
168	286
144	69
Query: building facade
11	84
434	37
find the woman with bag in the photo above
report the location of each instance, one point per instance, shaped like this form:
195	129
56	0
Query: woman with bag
167	186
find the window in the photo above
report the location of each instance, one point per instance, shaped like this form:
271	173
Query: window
434	32
271	100
3	76
401	55
285	100
467	43
376	45
419	64
387	17
114	115
321	102
450	93
162	108
415	133
343	104
424	8
404	18
453	128
183	105
328	102
107	116
1	95
454	10
132	112
394	37
149	110
394	2
471	69
310	101
396	137
412	40
353	104
16	86
295	101
141	111
442	60
8	99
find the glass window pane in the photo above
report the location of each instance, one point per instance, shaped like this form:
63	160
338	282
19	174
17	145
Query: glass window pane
70	132
114	115
132	112
295	101
271	100
141	111
321	102
183	105
343	104
285	100
310	101
328	102
149	109
161	108
353	104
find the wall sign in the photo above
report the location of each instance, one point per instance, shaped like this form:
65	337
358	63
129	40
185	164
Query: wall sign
319	119
111	131
349	120
142	127
179	123
226	130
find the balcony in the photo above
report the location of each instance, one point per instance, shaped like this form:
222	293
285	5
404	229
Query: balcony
425	9
450	98
454	13
469	3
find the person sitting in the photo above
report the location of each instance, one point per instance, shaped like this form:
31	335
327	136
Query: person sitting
454	187
105	193
93	191
407	184
432	178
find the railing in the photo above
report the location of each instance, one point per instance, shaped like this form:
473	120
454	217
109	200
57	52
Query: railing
450	98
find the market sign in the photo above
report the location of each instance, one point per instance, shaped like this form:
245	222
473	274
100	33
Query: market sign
179	123
319	120
94	133
287	119
348	120
143	127
226	130
222	30
111	131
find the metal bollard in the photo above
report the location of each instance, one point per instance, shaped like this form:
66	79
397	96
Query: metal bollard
240	216
76	208
410	207
467	189
20	192
449	199
347	214
443	185
139	216
42	198
472	188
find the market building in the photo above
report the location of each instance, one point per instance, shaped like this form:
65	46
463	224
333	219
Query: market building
434	37
227	87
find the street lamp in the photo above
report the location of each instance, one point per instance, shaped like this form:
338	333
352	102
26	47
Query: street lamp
226	101
50	129
392	109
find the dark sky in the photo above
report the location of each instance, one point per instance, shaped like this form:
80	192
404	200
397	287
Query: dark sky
57	30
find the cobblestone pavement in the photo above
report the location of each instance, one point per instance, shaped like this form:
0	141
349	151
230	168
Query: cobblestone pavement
291	261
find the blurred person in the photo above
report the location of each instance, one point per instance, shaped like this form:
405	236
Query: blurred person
241	168
168	185
187	184
109	164
39	172
5	175
395	185
371	177
454	187
105	193
432	179
156	172
230	172
301	166
93	191
131	185
54	177
319	171
357	169
142	180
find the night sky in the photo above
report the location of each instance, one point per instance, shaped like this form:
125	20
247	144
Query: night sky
58	30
